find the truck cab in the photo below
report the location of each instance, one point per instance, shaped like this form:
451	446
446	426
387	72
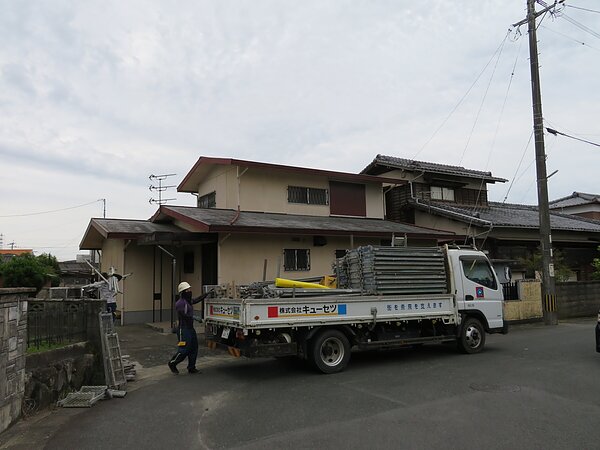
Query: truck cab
476	288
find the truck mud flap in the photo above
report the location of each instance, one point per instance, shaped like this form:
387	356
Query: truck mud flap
233	351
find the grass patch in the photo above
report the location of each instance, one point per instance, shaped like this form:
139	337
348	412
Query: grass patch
44	347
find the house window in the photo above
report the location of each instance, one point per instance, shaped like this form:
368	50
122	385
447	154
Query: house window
442	193
208	200
296	259
310	196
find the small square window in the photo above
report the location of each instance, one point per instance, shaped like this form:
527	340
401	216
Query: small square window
442	193
296	259
208	200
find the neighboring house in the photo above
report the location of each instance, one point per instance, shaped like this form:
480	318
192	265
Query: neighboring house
455	199
75	273
253	221
6	254
579	204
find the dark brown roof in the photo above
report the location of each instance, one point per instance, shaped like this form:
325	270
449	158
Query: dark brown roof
100	229
226	220
382	164
504	215
194	176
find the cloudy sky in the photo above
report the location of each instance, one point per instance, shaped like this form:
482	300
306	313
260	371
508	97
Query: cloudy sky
95	96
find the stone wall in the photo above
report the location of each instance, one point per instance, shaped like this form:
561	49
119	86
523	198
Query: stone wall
13	344
51	375
577	299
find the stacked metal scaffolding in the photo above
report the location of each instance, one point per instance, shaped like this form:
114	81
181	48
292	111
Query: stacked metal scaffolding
394	270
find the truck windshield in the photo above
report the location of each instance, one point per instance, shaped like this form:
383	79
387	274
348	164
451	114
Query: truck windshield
479	271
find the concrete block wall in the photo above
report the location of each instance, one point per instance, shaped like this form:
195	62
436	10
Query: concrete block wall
13	344
577	299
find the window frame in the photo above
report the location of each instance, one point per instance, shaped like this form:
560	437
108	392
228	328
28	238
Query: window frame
211	199
446	194
295	268
310	196
471	259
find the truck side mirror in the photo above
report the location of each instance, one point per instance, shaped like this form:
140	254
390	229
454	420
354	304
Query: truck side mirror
507	273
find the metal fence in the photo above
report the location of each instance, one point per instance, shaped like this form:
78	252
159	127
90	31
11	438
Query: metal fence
510	290
52	322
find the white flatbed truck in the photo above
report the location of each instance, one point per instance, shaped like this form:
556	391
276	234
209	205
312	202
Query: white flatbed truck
324	329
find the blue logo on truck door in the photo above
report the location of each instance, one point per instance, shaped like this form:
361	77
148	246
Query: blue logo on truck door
479	293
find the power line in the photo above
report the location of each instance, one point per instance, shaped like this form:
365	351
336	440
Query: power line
487	89
583	9
581	26
52	211
554	132
462	98
570	38
518	167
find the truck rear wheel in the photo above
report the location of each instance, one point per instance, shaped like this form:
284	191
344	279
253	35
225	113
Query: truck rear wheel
472	336
330	351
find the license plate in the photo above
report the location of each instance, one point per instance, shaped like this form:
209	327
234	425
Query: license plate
225	333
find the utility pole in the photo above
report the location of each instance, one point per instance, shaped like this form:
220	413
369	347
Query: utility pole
548	286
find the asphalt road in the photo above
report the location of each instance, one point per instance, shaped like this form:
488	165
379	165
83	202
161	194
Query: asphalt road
535	388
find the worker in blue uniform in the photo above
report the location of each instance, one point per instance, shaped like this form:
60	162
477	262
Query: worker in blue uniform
187	346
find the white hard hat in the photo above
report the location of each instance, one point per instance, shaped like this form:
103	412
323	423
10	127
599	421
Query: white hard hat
183	286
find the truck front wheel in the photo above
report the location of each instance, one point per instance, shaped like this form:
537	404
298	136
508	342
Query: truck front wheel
472	336
330	351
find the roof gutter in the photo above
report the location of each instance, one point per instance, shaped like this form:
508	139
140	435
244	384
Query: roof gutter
416	200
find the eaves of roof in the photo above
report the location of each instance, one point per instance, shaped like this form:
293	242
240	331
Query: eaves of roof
220	220
382	162
501	215
188	186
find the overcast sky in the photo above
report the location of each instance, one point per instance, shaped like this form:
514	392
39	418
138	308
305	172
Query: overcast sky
95	96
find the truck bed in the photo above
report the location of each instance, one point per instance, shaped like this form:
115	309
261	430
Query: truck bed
315	311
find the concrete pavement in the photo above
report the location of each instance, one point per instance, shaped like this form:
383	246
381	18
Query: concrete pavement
149	345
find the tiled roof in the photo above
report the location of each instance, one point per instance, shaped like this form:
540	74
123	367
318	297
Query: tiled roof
213	220
575	199
503	215
408	164
133	227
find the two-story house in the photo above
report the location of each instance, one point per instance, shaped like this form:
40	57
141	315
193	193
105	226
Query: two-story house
253	221
455	199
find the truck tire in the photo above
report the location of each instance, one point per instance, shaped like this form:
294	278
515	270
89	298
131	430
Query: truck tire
472	336
330	351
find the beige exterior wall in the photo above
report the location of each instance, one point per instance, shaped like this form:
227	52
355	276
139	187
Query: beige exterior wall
223	181
423	219
241	257
265	191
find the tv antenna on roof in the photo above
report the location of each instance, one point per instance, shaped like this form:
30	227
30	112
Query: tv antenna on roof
160	188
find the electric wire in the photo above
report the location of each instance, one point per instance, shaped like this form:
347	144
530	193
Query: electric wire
555	132
580	26
583	9
462	98
514	178
572	39
51	211
487	89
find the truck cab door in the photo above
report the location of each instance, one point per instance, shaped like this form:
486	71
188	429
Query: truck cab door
480	289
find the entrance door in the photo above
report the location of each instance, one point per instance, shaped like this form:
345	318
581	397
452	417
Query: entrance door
209	263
